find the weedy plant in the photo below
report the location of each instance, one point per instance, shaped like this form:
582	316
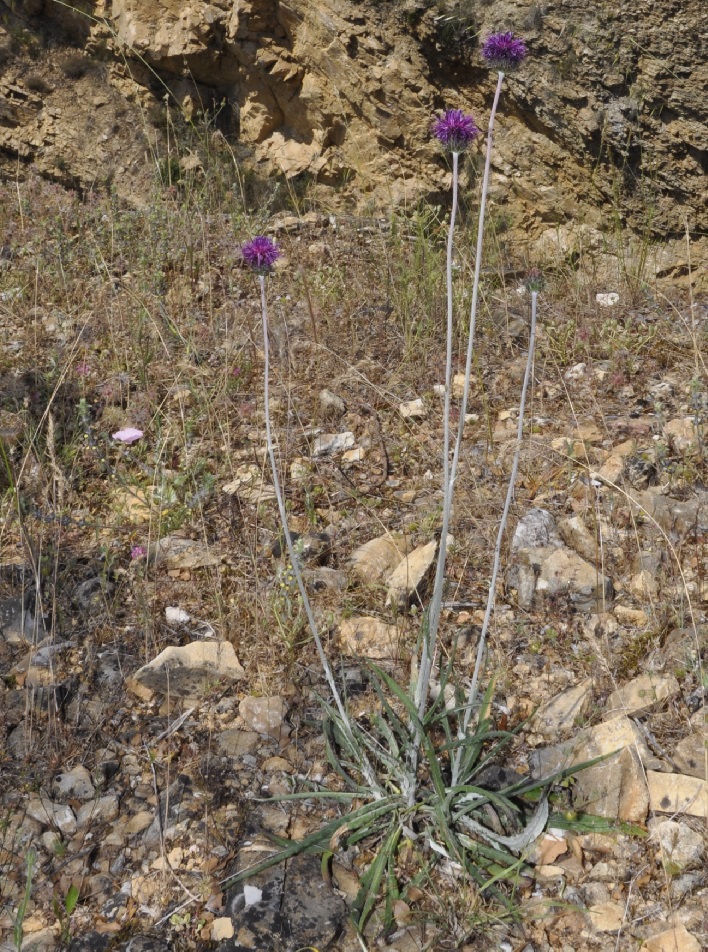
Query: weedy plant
420	769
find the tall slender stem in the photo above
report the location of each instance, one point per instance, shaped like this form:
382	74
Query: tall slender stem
430	636
475	284
365	766
462	732
450	473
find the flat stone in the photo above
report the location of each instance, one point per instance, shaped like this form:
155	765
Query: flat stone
677	793
48	813
413	409
689	755
559	715
408	580
682	435
611	470
138	822
188	671
264	715
607	916
374	560
678	939
576	534
368	637
235	742
614	788
74	783
641	695
679	845
179	553
222	928
103	810
329	444
558	571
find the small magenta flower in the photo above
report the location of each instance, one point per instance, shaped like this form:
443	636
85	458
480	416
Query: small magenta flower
455	130
128	435
260	254
503	51
138	552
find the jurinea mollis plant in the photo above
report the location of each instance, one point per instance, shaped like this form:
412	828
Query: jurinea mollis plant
418	769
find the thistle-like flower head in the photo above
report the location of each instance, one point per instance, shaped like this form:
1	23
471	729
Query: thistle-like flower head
503	51
260	254
455	130
535	280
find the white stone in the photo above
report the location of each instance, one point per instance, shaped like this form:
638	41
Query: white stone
75	783
176	616
48	813
413	409
329	444
607	300
103	810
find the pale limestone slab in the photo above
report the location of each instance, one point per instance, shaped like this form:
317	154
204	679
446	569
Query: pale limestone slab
678	939
377	558
641	695
677	793
367	637
409	578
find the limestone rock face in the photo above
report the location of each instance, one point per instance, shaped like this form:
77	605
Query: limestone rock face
344	91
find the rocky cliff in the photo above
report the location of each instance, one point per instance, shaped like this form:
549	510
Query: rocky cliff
603	129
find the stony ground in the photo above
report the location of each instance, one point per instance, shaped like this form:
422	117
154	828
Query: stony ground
157	682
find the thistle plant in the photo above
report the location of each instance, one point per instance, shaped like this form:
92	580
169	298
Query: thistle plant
415	769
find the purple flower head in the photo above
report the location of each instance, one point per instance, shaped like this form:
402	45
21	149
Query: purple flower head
128	435
535	280
260	254
455	130
503	51
138	552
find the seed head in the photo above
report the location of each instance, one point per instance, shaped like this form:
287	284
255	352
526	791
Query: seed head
260	254
503	51
455	130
